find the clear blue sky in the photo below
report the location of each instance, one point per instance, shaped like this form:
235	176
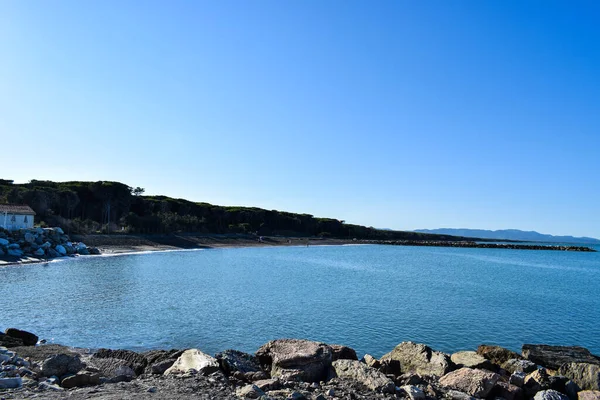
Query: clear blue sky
395	114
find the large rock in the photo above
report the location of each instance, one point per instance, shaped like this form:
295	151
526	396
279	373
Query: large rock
4	242
507	391
194	359
9	341
115	369
587	376
234	360
135	361
158	361
249	392
554	356
550	395
413	392
340	352
61	364
10	383
496	354
296	359
475	382
369	377
470	359
61	250
418	358
589	395
28	338
81	379
513	365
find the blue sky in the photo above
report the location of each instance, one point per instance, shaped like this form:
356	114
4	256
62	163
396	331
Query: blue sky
394	114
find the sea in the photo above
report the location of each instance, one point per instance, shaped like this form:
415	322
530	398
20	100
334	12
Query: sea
368	297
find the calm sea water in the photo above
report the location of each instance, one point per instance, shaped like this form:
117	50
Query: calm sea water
367	297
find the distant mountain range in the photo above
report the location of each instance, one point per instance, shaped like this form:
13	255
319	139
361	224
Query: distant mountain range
510	234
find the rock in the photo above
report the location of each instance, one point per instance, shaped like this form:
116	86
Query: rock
124	373
29	237
1	252
11	383
371	361
517	379
59	230
339	352
296	359
14	246
507	391
250	392
28	338
161	367
84	251
196	360
15	252
496	354
413	392
571	389
550	395
231	361
470	359
296	396
458	395
135	361
418	358
586	375
39	252
52	253
46	245
9	341
514	365
268	384
61	250
4	242
589	395
475	382
81	379
61	364
94	250
554	356
359	372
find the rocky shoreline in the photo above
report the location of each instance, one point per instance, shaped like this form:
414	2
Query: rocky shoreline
296	369
476	245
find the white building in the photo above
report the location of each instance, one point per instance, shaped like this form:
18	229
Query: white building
13	217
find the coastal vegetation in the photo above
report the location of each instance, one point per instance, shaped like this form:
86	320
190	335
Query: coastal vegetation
109	207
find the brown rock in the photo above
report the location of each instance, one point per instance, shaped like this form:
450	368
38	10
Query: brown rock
587	376
296	359
340	352
589	395
496	354
474	382
418	358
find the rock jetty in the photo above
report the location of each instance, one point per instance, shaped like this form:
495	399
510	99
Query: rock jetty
40	244
468	244
296	369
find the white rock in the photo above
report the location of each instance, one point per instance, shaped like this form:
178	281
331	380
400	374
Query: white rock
196	360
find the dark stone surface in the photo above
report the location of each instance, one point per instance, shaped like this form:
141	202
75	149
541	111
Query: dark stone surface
554	356
28	338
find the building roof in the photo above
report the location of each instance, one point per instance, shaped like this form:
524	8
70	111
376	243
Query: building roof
16	209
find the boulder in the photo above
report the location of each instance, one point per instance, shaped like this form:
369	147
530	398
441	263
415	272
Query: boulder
61	364
196	360
158	361
60	249
2	253
458	395
15	252
517	379
515	365
249	392
586	375
359	372
81	379
4	242
135	361
474	382
28	338
269	384
29	237
11	383
496	354
550	395
339	352
159	368
471	359
371	361
507	391
418	358
413	392
231	361
296	359
39	252
112	368
571	389
589	395
59	230
554	356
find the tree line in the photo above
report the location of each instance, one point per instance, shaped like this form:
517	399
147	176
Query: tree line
108	207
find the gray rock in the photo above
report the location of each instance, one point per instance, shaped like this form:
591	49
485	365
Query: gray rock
250	392
61	364
458	395
296	360
549	395
28	338
514	365
554	356
517	379
589	395
269	384
470	359
29	237
507	391
135	361
47	245
475	382
586	375
360	372
81	379
231	361
371	361
418	358
339	352
196	360
4	242
11	383
61	249
413	392
161	367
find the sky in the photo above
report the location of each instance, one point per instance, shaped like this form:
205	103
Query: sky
393	114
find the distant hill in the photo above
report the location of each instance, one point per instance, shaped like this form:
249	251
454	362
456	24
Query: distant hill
510	234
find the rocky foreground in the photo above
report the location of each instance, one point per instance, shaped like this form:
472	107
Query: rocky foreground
296	369
40	243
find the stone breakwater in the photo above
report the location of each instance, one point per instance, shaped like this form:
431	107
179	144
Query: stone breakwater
41	243
466	244
295	369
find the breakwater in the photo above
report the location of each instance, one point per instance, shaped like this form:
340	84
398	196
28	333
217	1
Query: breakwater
476	245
